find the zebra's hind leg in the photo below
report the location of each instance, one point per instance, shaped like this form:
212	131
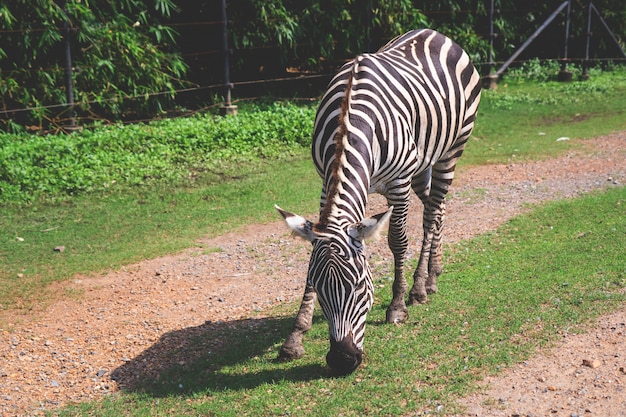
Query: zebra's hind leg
431	187
398	243
418	293
435	261
292	348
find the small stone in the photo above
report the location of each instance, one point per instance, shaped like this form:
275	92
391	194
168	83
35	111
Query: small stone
592	363
101	373
551	387
59	249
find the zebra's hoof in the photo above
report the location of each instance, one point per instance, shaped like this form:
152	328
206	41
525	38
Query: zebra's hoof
431	289
417	299
289	353
397	316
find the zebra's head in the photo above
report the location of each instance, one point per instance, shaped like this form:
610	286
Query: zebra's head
342	279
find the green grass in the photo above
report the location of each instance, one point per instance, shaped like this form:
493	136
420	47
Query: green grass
522	120
502	296
106	232
172	152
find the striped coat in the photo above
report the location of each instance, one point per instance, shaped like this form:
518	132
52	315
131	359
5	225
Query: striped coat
389	122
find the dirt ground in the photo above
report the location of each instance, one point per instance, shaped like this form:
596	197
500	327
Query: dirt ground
84	344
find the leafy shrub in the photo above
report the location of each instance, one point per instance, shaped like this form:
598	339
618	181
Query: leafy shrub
534	70
168	152
540	88
315	33
119	50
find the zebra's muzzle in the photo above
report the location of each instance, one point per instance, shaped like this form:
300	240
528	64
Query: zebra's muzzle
344	356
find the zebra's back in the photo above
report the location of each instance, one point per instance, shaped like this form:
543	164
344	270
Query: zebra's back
410	103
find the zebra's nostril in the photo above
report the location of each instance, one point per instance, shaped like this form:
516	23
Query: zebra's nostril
344	356
343	363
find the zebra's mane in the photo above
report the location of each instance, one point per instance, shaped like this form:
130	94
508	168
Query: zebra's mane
336	167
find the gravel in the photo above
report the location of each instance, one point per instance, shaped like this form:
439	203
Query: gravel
100	330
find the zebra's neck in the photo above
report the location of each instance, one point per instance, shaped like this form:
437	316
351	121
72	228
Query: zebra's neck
349	177
348	188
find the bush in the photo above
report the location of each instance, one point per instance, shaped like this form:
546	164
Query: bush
119	51
175	151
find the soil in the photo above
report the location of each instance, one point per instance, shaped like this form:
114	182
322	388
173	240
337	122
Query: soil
91	340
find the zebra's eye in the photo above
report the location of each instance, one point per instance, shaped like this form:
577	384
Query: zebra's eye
356	243
360	285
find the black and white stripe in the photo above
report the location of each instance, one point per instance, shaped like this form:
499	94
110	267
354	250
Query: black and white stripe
389	122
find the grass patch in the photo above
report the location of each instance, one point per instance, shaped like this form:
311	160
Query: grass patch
522	120
503	295
174	152
107	231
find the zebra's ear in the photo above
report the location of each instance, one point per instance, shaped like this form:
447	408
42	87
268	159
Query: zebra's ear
298	225
371	227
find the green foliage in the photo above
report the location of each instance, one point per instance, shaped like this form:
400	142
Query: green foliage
320	32
467	22
314	32
522	119
120	52
519	121
126	64
162	152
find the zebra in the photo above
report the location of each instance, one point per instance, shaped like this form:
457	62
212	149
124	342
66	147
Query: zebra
389	122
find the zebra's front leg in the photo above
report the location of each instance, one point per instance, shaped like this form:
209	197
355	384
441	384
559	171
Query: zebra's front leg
398	243
292	348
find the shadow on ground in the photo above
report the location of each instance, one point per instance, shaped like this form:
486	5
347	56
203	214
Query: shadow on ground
215	357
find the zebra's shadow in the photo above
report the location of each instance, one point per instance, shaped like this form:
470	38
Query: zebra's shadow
214	357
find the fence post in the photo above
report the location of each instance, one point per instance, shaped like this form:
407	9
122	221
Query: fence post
585	74
227	107
564	74
608	30
490	81
69	85
368	24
